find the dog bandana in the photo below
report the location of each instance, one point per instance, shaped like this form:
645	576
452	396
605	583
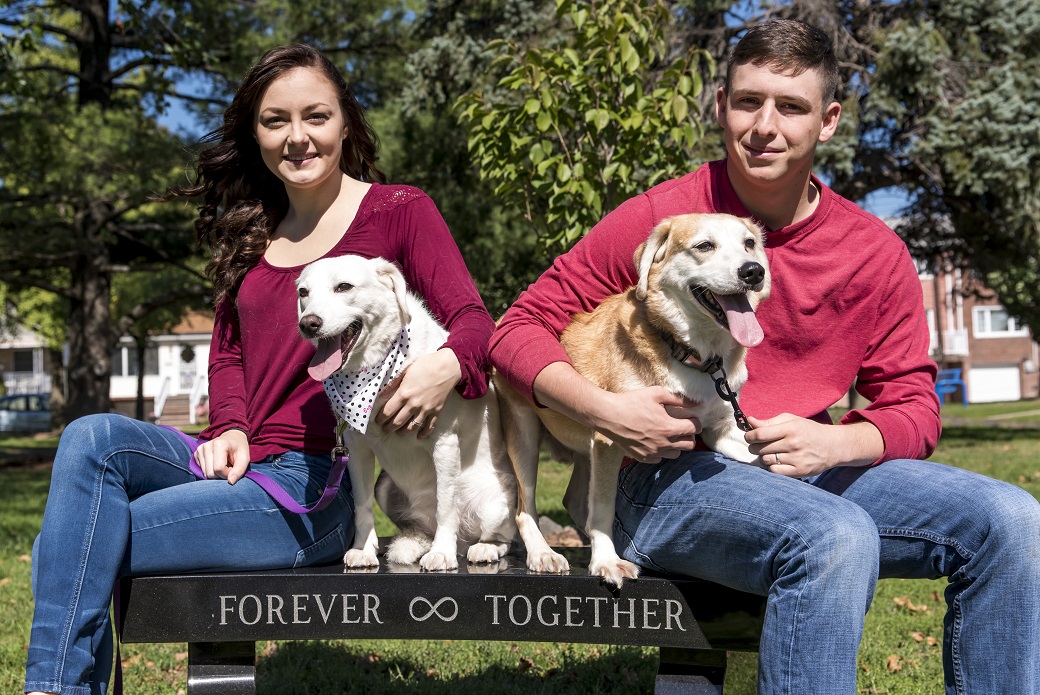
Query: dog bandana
353	394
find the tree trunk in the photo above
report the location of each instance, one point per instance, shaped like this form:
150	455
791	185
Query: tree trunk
140	344
57	389
90	337
95	54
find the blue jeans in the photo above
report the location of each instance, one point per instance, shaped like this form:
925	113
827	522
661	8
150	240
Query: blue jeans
816	551
122	502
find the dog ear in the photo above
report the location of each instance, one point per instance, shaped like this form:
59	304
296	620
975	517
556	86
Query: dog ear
391	277
649	252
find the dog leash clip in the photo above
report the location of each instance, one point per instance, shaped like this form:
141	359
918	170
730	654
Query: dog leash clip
725	392
340	453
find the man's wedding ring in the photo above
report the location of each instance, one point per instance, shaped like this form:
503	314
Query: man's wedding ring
777	458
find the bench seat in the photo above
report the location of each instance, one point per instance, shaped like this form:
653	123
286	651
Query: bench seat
222	615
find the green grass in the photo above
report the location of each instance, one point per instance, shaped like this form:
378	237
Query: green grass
900	653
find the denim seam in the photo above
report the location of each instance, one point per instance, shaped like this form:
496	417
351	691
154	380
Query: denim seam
929	536
70	617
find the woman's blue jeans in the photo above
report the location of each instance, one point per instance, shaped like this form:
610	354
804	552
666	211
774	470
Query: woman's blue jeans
122	502
816	550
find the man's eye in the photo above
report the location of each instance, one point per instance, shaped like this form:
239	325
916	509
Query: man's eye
344	287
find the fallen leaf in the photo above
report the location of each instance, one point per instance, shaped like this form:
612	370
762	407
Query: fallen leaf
918	637
432	673
269	649
892	663
931	641
25	558
180	656
525	664
5	580
567	537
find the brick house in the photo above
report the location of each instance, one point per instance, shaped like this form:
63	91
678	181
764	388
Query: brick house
971	331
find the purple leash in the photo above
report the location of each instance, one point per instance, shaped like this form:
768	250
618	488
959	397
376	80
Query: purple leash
340	458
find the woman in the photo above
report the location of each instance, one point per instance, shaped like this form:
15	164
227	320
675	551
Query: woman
290	177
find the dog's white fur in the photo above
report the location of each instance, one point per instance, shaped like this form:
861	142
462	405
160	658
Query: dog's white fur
454	485
619	347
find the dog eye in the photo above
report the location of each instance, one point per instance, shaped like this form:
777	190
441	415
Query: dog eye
749	244
344	287
705	246
303	292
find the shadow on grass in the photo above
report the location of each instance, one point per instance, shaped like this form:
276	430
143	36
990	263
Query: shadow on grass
322	668
981	434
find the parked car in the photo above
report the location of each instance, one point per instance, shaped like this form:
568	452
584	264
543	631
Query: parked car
25	412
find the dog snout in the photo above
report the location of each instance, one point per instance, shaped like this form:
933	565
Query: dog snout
752	273
310	325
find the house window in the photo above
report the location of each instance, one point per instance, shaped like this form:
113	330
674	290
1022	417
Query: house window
23	361
995	322
124	361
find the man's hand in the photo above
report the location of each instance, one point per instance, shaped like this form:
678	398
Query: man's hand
649	424
227	456
798	448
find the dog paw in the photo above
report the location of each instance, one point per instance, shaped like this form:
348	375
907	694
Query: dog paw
484	552
406	550
360	558
615	571
436	561
548	561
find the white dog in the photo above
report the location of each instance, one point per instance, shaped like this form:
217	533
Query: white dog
688	321
457	483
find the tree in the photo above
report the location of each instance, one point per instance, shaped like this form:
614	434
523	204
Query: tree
575	128
82	154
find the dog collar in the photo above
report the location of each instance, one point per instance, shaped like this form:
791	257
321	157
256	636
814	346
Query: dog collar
690	357
711	366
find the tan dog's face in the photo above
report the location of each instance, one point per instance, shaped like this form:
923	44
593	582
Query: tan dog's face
351	308
706	267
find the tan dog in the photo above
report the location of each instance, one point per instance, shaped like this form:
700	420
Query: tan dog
700	278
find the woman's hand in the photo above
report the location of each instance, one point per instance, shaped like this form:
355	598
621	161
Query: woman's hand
227	456
417	395
798	448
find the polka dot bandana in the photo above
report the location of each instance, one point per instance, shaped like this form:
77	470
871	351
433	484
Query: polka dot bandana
353	394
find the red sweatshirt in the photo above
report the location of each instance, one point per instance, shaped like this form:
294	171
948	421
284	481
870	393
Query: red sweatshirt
258	361
846	304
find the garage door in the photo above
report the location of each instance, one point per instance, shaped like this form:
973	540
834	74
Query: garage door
991	384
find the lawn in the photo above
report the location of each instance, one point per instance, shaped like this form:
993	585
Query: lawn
900	654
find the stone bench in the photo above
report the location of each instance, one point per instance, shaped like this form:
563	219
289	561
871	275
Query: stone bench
222	615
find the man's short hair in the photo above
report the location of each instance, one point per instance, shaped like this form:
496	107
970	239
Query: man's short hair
789	45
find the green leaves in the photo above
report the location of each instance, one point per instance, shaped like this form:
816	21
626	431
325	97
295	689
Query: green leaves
608	114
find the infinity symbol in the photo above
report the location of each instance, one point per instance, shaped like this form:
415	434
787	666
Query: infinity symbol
433	609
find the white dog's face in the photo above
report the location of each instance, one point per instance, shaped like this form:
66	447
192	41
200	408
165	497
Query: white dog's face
707	267
351	308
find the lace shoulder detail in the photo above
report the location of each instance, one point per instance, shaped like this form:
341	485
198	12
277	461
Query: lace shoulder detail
389	197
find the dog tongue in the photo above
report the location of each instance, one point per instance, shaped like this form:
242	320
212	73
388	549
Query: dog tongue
743	325
327	359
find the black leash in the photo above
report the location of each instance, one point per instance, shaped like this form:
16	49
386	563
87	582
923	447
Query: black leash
711	366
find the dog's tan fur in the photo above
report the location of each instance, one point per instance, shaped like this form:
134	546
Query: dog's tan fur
619	348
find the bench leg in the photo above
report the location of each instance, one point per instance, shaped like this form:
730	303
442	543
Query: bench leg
690	672
221	668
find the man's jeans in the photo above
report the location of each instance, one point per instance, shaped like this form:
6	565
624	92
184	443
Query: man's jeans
816	550
122	502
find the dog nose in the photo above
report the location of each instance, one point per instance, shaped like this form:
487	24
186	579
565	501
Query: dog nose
752	273
310	324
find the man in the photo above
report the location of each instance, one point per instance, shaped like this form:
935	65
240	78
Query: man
840	504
